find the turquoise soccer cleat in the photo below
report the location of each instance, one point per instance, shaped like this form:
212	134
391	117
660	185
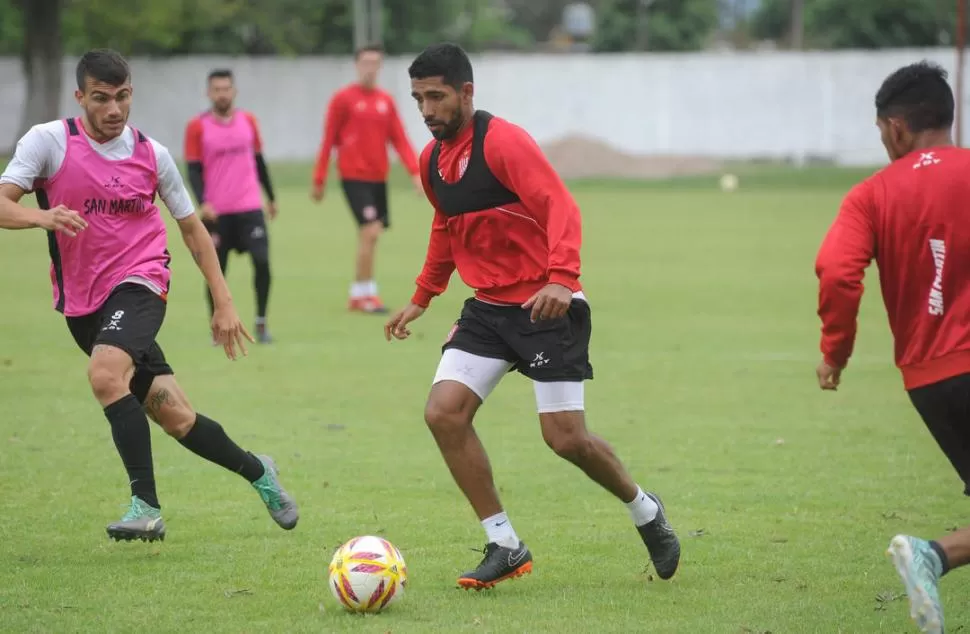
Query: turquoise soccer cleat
281	506
920	569
142	521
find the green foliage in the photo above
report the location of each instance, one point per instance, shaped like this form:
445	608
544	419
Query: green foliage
671	25
863	24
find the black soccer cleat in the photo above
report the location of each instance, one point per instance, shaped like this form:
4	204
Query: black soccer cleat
500	563
661	542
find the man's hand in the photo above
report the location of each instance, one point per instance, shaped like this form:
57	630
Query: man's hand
207	213
272	210
229	331
397	325
62	219
316	193
551	302
829	376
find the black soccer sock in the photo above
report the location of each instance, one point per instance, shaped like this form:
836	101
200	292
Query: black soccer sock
942	555
132	435
261	280
208	439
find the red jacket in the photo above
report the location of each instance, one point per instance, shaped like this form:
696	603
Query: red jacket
360	123
913	217
505	253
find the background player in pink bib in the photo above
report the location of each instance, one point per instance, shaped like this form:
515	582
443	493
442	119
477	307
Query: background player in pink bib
96	179
223	149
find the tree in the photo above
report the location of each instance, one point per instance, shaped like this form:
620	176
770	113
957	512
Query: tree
41	56
865	24
671	25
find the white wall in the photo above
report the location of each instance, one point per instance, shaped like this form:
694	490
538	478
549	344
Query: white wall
745	105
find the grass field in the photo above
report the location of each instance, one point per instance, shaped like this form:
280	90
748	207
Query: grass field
705	344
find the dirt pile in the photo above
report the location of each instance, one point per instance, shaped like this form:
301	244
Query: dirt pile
583	157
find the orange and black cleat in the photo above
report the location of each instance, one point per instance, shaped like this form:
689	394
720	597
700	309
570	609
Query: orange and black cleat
372	305
500	563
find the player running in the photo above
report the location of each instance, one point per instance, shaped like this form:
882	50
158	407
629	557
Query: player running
224	152
96	177
506	221
361	120
913	218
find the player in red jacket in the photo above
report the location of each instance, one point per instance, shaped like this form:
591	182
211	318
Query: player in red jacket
913	218
507	223
361	120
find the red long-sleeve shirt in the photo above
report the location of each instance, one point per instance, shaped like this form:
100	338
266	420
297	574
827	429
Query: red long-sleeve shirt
359	123
913	218
506	253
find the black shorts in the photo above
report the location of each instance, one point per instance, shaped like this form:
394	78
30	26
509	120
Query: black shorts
547	350
130	320
945	408
241	232
368	201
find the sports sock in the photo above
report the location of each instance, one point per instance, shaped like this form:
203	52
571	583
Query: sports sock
261	280
358	290
499	530
944	560
642	509
132	436
208	439
370	288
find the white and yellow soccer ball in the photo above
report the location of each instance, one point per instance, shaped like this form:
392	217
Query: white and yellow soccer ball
368	574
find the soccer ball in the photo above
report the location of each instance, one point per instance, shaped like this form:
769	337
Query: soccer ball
367	574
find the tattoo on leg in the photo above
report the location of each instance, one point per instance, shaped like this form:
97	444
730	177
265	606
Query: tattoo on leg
197	256
156	401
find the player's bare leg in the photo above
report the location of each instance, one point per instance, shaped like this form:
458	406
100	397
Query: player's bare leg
109	373
921	564
364	296
449	414
168	406
566	434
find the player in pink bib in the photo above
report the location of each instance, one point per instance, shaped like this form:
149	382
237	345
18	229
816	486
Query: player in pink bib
96	179
223	150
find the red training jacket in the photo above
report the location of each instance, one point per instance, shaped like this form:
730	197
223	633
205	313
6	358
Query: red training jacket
913	217
359	123
505	253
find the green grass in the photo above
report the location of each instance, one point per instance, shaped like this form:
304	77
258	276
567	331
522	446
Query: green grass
705	343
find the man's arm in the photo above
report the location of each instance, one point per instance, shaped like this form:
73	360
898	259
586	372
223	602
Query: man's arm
846	251
331	129
399	139
261	166
13	215
30	162
199	243
438	263
193	158
519	164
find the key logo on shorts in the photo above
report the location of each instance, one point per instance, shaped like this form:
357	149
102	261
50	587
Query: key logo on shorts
370	212
257	233
539	361
115	323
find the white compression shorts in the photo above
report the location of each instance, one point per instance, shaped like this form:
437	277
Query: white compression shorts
482	374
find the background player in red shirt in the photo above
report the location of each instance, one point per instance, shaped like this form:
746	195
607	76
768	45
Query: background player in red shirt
361	120
913	218
224	152
506	221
